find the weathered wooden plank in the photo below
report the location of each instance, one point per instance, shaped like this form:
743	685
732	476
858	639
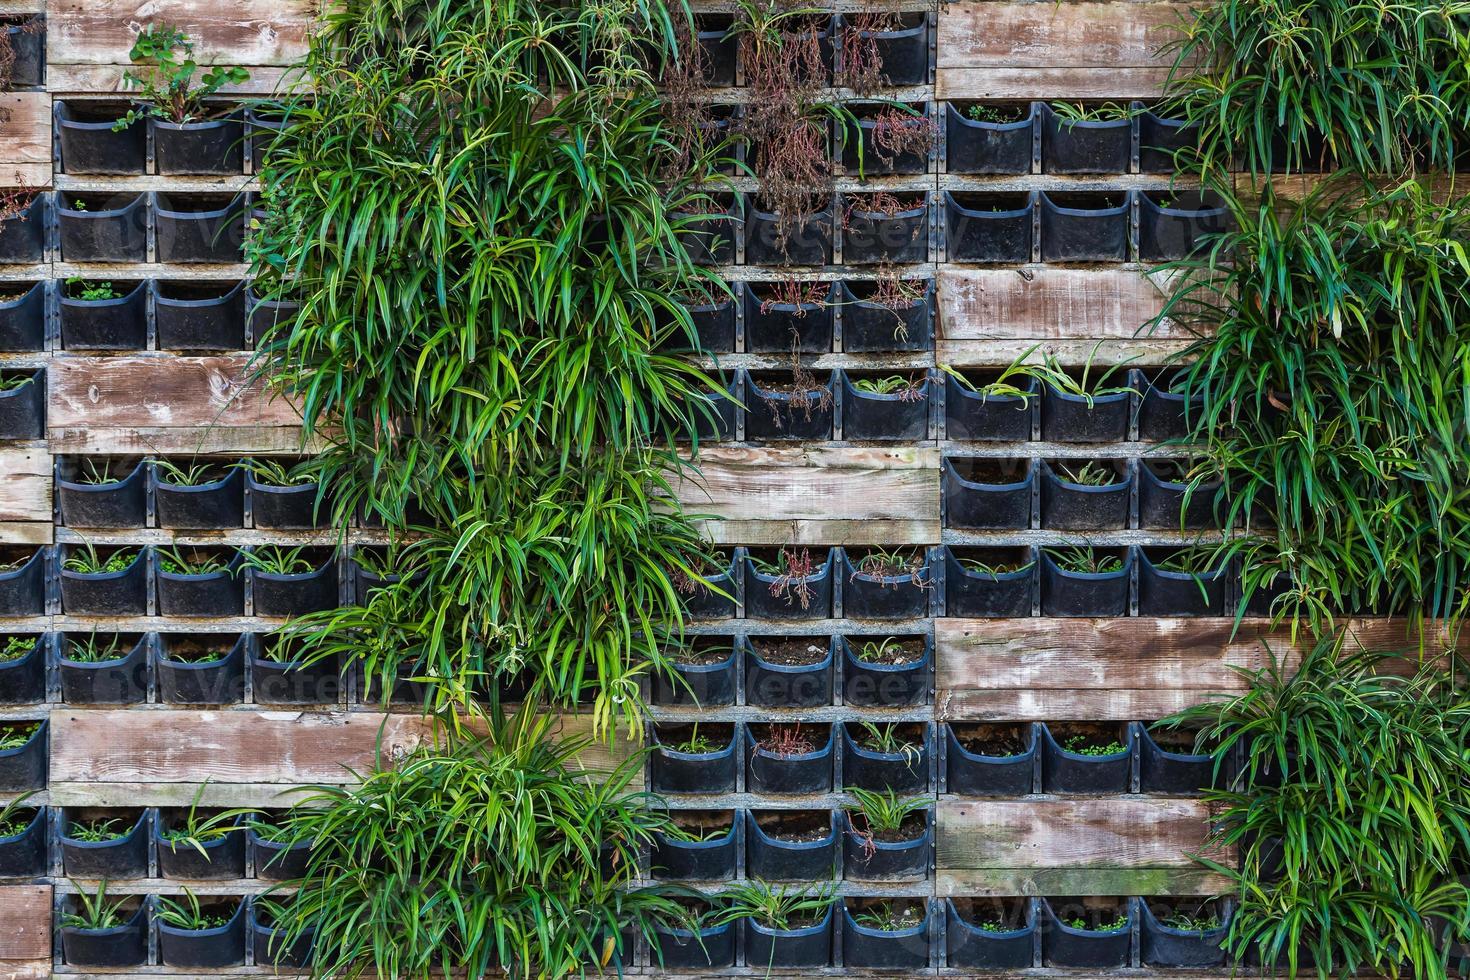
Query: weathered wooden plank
107	79
25	485
779	494
26	532
1052	304
837	532
1142	352
1085	84
25	930
1054	882
25	139
1002	33
1064	704
246	32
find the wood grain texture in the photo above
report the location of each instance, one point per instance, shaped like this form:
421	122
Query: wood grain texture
25	485
245	32
1059	882
1004	34
1052	304
1071	353
25	139
25	930
1050	83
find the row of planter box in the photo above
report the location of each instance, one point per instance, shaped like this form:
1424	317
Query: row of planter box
88	143
222	503
903	53
26	35
104	227
248	935
144	314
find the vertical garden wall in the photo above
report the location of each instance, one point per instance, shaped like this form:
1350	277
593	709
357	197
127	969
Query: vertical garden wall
998	472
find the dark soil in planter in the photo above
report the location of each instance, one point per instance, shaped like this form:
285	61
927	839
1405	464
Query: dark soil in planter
897	410
278	860
120	323
205	949
1173	592
788	672
103	227
121	678
789	316
1176	225
1068	417
120	504
1182	933
1170	764
802	591
901	943
892	141
219	593
790	845
1075	758
23	408
118	593
1084	227
785	407
124	945
804	945
23	768
991	228
284	596
200	228
885	228
271	948
989	583
23	675
1103	146
23	318
1165	501
787	759
769	242
709	856
23	583
988	494
868	767
89	145
715	600
903	52
23	854
886	585
897	855
704	674
973	414
214	146
1094	947
202	669
23	235
289	681
711	769
990	759
119	857
1161	139
712	947
200	316
885	672
1070	502
223	857
1164	412
990	934
997	144
217	504
890	315
27	37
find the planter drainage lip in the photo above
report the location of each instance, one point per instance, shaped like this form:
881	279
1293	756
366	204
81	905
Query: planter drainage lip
25	569
1031	199
37	819
849	924
951	474
197	304
1214	210
1055	569
952	567
235	203
893	846
756	832
1066	930
107	576
140	201
1146	472
718	756
891	757
234	474
848	391
817	927
1108	212
1049	473
125	483
852	661
198	126
16	303
237	652
1173	576
1151	923
30	742
1069	755
973	931
754	388
812	756
958	117
849	298
702	845
966	754
232	572
295	576
898	34
62	658
757	661
225	929
907	214
140	918
882	581
1147	743
820	572
97	304
124	840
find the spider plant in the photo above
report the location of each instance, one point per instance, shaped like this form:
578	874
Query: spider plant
780	907
888	739
1090	474
1084	384
93	651
1002	386
890	916
273	473
198	829
1071	113
879	650
993	569
93	473
89	561
98	831
15	816
93	911
907	389
1085	561
193	475
185	913
695	743
177	562
871	813
275	559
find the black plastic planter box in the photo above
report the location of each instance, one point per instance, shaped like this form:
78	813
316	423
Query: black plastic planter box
223	857
883	771
866	596
1064	771
23	409
23	321
684	772
194	317
106	324
24	769
28	44
113	505
718	53
869	160
271	948
216	505
880	860
774	328
1084	227
884	685
1174	226
782	415
1161	139
864	948
23	591
1066	417
23	236
219	682
1168	593
124	945
713	322
204	949
695	860
1169	772
712	947
976	595
266	314
275	682
292	595
278	861
120	681
124	857
709	235
872	237
903	54
807	244
89	145
974	948
1071	506
1164	946
984	505
869	326
262	127
975	417
23	681
715	419
123	593
770	684
1165	415
972	774
214	594
706	603
205	229
869	417
285	507
767	948
998	231
1061	945
215	146
1085	147
1088	594
761	603
110	229
771	857
974	147
707	685
23	855
800	774
1166	503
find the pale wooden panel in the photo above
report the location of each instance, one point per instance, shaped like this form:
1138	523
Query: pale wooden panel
1062	704
26	532
25	139
1057	882
1050	84
780	494
755	532
25	485
1052	304
99	79
25	930
998	353
243	32
1002	33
